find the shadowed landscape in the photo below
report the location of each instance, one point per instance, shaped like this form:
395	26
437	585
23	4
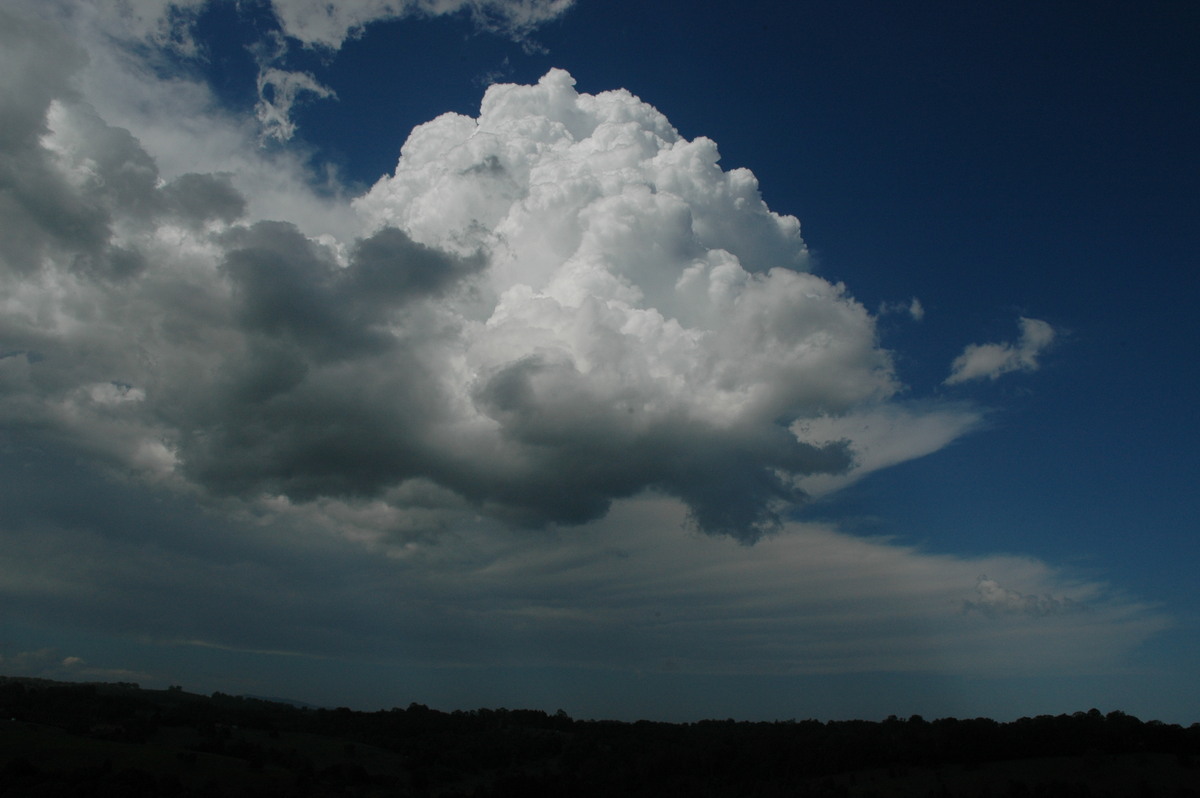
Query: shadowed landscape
99	739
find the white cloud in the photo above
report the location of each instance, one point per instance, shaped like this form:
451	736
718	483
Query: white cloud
993	598
278	91
883	436
171	115
164	24
980	361
316	22
168	24
329	25
555	305
141	56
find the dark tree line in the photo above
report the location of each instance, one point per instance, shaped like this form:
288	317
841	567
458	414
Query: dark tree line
98	740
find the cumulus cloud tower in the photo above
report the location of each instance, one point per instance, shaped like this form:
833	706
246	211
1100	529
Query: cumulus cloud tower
646	311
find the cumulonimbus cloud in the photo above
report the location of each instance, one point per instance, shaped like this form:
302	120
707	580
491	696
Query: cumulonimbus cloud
551	306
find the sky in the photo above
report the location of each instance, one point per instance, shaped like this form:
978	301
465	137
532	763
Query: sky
678	361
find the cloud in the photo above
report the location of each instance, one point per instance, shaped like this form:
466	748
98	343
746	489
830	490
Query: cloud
882	436
550	307
157	101
278	91
164	24
995	599
627	592
152	45
979	361
168	24
47	663
319	23
914	308
462	418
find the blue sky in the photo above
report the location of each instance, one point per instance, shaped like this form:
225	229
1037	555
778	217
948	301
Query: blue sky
559	410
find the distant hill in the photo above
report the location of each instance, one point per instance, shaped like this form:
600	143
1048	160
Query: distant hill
65	739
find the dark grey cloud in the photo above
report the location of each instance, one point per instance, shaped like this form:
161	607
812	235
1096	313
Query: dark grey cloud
389	266
37	207
198	198
581	452
287	286
84	549
328	391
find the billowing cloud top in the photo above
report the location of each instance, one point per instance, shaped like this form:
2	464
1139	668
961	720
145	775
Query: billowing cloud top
642	309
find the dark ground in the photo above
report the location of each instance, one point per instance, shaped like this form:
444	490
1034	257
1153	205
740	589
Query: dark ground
59	739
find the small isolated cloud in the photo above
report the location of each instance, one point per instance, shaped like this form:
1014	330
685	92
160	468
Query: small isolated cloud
914	308
989	361
995	599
